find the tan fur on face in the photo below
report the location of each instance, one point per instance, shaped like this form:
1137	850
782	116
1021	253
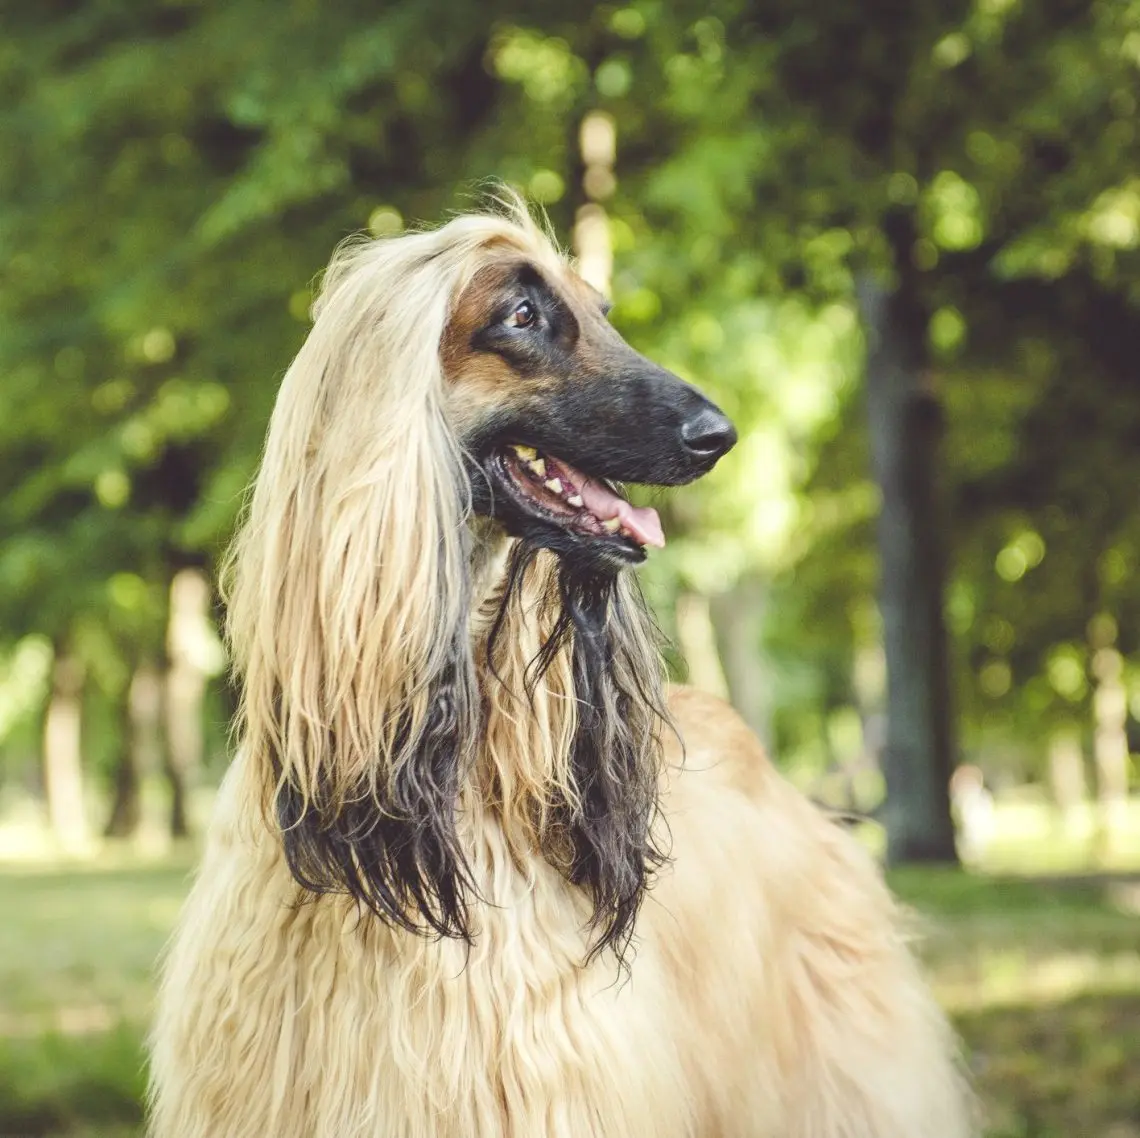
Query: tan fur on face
772	993
480	380
484	381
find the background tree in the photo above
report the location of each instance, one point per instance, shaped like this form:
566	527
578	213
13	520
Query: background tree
171	189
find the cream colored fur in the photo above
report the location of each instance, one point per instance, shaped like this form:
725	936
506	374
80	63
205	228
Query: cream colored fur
771	993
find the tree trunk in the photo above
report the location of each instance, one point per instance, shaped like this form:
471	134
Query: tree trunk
1067	780
597	143
63	754
1110	747
738	618
905	425
185	691
126	805
698	643
140	751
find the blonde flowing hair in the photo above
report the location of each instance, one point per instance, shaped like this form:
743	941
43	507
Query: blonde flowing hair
376	696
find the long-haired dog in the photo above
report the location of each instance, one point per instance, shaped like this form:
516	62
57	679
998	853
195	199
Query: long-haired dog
475	872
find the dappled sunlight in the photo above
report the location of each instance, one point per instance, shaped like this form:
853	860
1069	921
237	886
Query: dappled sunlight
1031	837
27	839
91	1019
982	978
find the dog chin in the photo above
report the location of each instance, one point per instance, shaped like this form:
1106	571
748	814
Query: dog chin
580	552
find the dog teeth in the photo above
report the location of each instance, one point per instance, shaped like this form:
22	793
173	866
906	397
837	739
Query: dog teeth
527	454
553	485
611	525
539	467
575	500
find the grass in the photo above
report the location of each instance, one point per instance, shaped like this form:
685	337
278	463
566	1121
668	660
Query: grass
1043	979
77	953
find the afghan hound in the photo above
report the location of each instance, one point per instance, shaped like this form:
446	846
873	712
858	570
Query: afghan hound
475	871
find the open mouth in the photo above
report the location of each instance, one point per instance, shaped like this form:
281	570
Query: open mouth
554	491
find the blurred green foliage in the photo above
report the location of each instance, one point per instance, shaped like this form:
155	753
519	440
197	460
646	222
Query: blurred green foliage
176	173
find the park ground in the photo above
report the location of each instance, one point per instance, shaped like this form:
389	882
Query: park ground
1041	974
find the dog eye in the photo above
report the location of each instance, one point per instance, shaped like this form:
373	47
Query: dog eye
522	317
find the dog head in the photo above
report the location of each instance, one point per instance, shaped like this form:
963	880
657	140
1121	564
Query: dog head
553	408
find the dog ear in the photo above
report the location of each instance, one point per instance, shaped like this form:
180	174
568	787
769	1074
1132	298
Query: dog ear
348	597
394	849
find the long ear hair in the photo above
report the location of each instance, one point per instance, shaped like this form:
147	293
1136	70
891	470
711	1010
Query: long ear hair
348	589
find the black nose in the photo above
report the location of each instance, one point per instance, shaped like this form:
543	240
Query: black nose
708	435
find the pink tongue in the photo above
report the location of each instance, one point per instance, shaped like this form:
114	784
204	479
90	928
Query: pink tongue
642	522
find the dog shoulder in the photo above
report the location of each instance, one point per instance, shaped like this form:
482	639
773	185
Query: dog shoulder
715	747
716	741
